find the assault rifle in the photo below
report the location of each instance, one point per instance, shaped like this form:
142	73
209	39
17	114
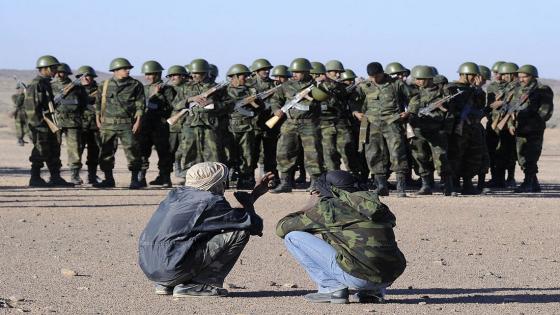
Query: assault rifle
65	90
429	110
511	109
192	103
251	100
292	103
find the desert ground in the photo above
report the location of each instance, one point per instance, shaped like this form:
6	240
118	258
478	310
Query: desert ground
493	254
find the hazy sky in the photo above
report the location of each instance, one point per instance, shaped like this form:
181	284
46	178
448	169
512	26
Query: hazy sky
440	33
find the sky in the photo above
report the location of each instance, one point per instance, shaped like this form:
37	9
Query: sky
439	33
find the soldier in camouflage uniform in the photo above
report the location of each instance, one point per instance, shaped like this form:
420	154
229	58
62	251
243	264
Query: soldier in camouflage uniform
485	76
118	111
430	131
380	99
302	124
466	143
177	75
155	129
20	120
46	145
69	111
535	107
90	131
280	74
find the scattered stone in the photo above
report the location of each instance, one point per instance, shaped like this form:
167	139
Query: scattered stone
422	303
272	284
425	297
82	288
22	310
425	239
290	285
15	298
235	286
4	304
370	310
470	254
523	243
68	272
441	262
410	287
22	220
454	240
439	308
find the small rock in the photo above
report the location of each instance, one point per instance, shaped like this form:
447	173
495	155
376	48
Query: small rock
82	288
68	272
470	254
523	243
272	284
441	262
290	285
410	287
15	298
422	303
425	297
439	308
454	240
370	310
22	220
21	310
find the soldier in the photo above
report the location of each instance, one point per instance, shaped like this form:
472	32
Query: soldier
155	129
534	102
397	71
90	131
302	124
70	102
213	73
18	113
430	131
118	112
379	103
242	124
485	76
46	145
177	75
466	144
280	74
201	142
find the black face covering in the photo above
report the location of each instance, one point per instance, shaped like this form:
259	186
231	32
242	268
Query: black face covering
339	179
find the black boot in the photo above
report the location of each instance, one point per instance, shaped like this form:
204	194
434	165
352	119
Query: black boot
21	142
108	182
57	181
481	185
527	185
92	175
448	186
286	185
401	185
381	183
163	179
425	189
510	181
36	180
135	181
498	179
178	169
75	177
536	186
468	188
141	179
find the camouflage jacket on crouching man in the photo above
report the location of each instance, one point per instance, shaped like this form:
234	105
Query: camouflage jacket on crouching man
359	227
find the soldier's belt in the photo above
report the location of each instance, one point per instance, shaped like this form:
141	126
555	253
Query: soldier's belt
117	121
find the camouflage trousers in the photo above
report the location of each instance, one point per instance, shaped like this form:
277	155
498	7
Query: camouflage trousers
466	151
20	122
109	148
243	151
155	133
175	139
491	144
505	154
92	141
338	145
200	144
291	133
429	150
529	148
46	149
73	145
386	139
211	261
265	149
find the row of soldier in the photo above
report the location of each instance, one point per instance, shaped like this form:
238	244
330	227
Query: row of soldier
308	117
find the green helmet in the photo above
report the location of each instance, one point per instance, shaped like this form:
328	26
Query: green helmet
177	69
199	66
300	65
47	61
423	72
64	67
440	79
334	65
86	70
151	66
238	69
188	68
496	66
319	94
468	68
213	72
508	67
529	69
485	72
260	64
347	75
280	71
317	68
435	70
119	63
394	68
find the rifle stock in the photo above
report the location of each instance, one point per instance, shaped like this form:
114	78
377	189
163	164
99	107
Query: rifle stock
272	121
298	97
52	126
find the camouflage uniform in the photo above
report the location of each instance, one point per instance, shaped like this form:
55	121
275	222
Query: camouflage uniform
175	131
125	102
69	114
90	131
505	155
493	90
20	119
300	125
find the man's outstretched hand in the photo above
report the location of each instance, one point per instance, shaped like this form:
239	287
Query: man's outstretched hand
262	186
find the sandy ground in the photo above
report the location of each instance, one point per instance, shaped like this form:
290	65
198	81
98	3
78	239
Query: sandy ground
494	254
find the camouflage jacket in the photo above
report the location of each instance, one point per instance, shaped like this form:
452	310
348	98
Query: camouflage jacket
287	91
88	117
382	102
467	106
359	227
69	110
336	108
158	105
494	90
37	97
19	110
535	109
178	104
125	101
264	113
440	121
202	117
237	121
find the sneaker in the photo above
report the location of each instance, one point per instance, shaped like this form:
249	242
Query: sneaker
198	290
370	296
336	297
163	290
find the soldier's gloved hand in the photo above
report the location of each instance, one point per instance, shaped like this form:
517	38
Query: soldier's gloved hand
359	116
279	113
404	116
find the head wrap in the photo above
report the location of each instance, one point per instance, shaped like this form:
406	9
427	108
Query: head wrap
206	176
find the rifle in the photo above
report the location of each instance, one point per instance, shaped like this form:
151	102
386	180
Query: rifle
363	135
429	110
502	110
292	103
251	100
352	86
20	84
151	105
53	126
65	90
511	109
193	103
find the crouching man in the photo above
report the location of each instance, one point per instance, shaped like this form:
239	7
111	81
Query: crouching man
195	236
358	249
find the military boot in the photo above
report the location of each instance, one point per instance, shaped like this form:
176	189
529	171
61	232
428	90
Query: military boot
21	142
498	179
108	182
177	168
401	185
426	189
510	181
75	177
286	185
57	181
163	179
448	186
527	185
468	188
481	184
381	183
92	175
536	186
135	180
36	180
141	179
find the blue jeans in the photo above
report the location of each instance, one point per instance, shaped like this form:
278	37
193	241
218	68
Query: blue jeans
318	258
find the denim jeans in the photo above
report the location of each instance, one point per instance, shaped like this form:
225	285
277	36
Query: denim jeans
318	258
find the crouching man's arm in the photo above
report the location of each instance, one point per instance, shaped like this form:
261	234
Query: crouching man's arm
247	200
299	221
